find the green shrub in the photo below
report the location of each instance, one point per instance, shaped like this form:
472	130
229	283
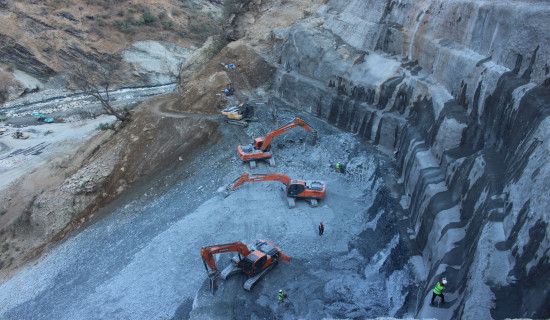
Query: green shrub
106	126
219	44
138	7
130	20
162	15
176	12
148	17
139	21
121	25
182	33
17	222
167	24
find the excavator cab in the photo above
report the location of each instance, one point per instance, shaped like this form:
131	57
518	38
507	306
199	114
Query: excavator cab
295	188
254	263
258	142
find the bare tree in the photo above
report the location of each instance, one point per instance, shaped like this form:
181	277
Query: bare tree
96	80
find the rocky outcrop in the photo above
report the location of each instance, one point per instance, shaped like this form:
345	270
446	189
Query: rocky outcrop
12	53
158	61
458	92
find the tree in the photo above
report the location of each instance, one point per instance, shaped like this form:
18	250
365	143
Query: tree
96	80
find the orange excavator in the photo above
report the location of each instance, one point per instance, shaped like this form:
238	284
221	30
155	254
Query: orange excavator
255	261
261	148
309	190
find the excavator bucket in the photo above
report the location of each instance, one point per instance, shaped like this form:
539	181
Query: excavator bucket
223	192
313	137
213	284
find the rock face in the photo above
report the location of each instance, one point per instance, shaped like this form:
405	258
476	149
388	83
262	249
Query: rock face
459	92
158	61
13	53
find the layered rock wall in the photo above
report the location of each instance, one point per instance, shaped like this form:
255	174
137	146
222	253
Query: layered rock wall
458	92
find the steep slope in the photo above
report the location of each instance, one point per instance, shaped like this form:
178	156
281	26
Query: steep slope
458	91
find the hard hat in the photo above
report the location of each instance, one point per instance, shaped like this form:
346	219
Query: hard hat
280	290
444	281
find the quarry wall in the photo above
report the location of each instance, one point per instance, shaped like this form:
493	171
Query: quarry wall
458	92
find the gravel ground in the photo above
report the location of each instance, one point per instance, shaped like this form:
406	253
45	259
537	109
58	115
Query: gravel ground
140	258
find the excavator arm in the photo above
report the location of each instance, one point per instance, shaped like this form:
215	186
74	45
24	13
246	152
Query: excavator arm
261	177
294	123
207	253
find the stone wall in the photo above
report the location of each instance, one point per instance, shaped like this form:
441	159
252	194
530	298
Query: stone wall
458	92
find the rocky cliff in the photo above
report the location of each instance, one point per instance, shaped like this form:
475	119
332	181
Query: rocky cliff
458	92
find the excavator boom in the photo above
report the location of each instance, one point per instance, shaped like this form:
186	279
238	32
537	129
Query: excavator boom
207	253
260	149
294	123
309	190
261	177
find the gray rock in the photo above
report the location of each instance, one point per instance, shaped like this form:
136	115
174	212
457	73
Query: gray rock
158	61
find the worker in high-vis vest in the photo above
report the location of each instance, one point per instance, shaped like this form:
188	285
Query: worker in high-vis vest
438	290
337	166
281	296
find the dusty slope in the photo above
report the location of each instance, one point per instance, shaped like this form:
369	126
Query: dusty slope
97	173
204	93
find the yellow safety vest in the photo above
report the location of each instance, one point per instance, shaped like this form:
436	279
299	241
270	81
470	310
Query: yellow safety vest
281	296
438	288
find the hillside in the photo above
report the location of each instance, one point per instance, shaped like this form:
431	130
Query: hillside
41	40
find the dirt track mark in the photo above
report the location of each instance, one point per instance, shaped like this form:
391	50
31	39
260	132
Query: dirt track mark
163	105
34	150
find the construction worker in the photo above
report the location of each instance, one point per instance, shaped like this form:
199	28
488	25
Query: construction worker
282	296
337	166
321	228
438	290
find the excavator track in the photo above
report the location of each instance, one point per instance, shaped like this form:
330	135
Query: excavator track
249	284
240	123
229	271
291	202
